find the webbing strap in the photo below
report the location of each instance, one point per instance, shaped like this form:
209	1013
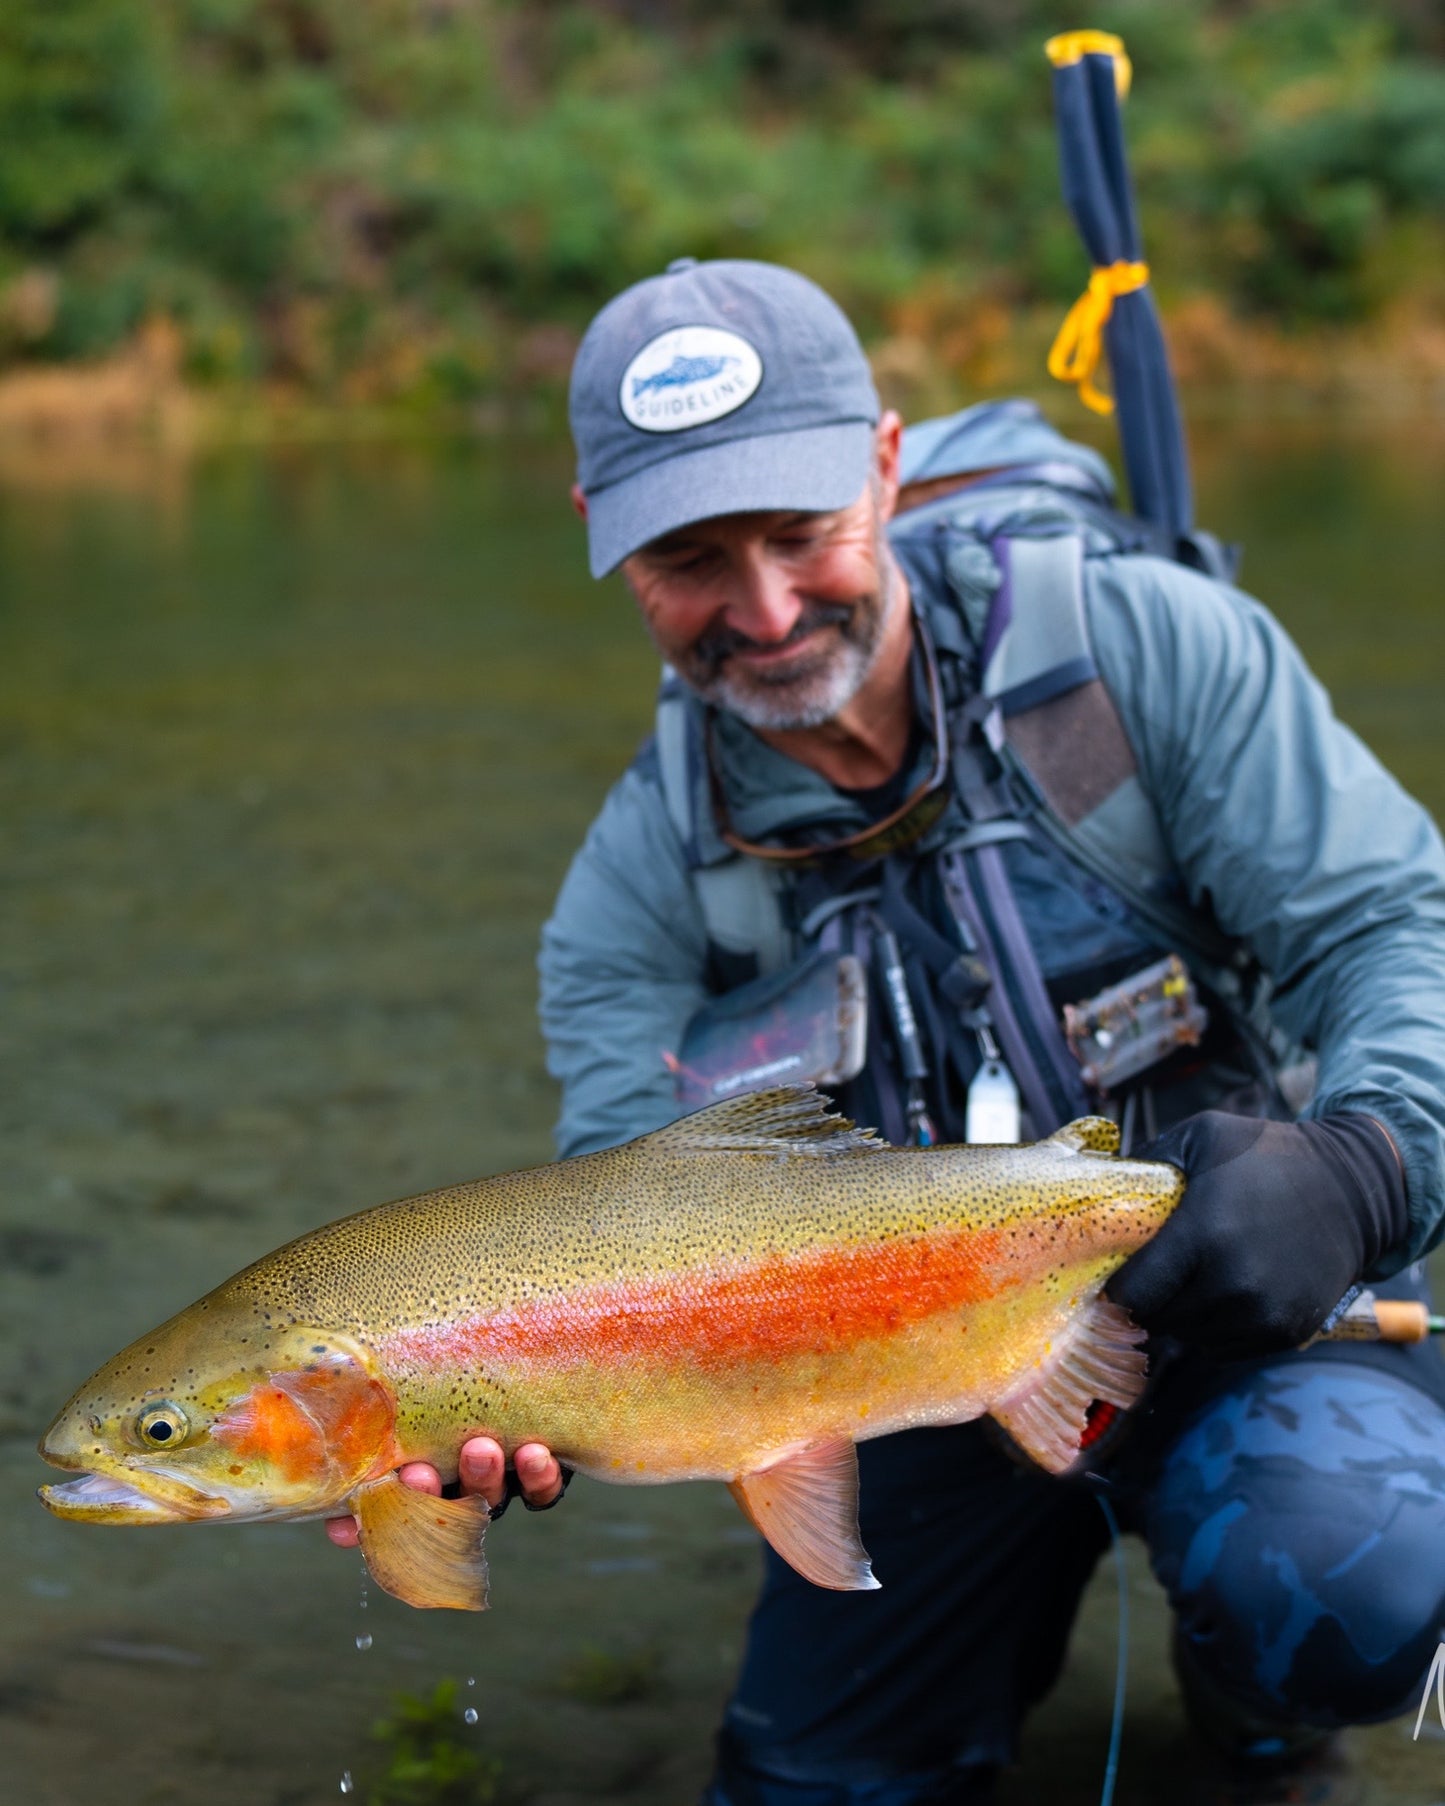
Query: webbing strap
740	898
673	763
1023	1018
742	909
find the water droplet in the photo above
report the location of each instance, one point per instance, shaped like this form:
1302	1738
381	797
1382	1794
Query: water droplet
471	1680
347	1784
363	1640
470	1715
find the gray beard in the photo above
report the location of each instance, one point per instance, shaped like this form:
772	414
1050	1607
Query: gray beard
807	698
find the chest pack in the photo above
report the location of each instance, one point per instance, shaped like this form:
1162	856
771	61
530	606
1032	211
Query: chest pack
998	518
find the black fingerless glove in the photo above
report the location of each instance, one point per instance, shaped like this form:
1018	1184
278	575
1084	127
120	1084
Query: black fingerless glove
1277	1222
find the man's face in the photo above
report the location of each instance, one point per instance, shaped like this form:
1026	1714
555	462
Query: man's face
776	617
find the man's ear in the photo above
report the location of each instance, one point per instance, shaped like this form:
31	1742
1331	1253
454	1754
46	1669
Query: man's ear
579	501
887	453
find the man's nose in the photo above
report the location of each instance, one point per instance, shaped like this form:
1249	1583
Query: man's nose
762	604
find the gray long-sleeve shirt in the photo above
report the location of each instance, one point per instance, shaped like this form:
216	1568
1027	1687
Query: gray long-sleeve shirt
1276	817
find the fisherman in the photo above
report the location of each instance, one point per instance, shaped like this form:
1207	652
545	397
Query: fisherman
979	734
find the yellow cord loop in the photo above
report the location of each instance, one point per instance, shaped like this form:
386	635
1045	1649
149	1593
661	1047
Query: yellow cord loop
1075	353
1070	46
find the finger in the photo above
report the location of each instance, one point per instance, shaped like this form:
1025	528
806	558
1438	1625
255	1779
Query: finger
420	1476
539	1473
483	1469
344	1532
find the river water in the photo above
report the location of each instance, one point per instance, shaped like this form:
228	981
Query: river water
294	748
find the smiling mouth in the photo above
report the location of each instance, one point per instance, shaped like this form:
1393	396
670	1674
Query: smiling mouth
148	1498
796	649
723	645
772	655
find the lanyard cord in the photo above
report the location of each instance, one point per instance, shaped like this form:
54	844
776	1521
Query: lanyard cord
1121	1672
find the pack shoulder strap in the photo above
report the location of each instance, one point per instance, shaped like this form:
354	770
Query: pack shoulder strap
1040	672
741	898
1063	732
672	735
1036	642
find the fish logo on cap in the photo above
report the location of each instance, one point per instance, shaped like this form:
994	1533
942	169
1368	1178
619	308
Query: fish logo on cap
688	377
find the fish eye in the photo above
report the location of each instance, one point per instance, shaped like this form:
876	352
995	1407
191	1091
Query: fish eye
162	1426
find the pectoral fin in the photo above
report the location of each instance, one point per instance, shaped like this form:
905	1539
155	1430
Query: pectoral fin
424	1550
807	1507
1046	1416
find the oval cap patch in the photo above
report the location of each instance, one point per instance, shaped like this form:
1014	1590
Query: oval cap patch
688	377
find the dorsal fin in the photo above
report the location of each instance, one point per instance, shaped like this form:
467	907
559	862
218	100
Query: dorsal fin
794	1119
1096	1133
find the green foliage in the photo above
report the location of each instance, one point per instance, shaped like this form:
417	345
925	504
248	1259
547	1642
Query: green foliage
379	196
428	1759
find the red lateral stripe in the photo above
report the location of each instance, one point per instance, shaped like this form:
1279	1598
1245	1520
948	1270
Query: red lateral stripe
781	1306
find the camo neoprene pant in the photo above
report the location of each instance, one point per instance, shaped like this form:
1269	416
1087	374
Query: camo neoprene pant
1294	1513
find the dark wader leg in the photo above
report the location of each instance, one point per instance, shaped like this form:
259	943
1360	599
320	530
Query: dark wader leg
912	1696
1297	1523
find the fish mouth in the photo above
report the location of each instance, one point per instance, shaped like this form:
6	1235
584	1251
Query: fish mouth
137	1497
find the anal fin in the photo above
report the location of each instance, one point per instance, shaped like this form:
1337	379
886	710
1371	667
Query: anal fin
1102	1360
806	1505
424	1550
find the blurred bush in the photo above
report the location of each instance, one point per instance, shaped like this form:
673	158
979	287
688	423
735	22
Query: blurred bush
424	199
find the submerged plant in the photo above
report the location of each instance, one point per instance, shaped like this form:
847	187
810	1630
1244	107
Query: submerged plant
428	1758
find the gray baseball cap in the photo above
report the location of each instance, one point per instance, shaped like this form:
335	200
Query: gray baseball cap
717	388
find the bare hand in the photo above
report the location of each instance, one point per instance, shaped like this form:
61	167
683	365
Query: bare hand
483	1469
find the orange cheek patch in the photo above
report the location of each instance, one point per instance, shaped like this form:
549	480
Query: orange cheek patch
310	1424
354	1412
267	1425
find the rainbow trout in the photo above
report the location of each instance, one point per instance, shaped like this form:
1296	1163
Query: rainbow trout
742	1296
